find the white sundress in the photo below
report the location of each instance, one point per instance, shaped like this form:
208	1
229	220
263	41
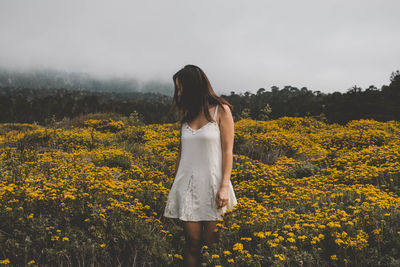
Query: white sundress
199	176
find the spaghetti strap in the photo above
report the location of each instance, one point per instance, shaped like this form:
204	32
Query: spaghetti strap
215	112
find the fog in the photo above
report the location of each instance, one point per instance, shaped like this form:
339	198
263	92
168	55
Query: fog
241	45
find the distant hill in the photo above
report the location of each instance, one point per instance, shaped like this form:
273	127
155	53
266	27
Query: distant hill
49	78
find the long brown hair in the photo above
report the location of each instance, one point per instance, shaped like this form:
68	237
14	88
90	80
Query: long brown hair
197	94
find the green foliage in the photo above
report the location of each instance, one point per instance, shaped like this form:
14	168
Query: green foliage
265	113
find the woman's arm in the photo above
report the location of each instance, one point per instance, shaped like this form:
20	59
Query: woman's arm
227	139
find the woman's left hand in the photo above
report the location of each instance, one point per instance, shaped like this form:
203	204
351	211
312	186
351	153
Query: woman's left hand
222	197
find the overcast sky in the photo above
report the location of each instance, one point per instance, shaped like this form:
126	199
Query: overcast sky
241	45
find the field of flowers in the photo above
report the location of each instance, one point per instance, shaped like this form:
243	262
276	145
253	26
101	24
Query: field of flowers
309	194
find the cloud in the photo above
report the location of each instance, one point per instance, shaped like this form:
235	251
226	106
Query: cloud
322	45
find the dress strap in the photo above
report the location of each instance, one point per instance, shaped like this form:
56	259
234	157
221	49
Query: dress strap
215	112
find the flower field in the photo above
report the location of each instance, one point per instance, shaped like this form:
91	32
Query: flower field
309	194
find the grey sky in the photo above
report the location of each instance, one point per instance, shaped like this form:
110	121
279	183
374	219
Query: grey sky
241	45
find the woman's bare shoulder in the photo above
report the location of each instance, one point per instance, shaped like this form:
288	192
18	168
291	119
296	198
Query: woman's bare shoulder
225	111
225	115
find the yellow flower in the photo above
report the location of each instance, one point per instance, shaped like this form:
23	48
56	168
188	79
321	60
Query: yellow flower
30	216
215	256
302	237
339	241
333	225
291	240
260	234
6	261
227	252
281	257
238	247
178	256
376	231
102	245
65	238
31	262
315	239
231	260
235	226
290	234
333	257
272	244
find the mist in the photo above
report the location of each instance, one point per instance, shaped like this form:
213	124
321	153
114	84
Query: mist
322	45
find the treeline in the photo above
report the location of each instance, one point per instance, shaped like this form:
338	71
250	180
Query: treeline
42	105
372	103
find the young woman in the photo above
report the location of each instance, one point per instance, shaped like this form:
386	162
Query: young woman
202	189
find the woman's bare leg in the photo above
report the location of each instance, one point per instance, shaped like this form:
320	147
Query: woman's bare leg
193	243
209	235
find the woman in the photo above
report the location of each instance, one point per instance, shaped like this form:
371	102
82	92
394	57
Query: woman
202	189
